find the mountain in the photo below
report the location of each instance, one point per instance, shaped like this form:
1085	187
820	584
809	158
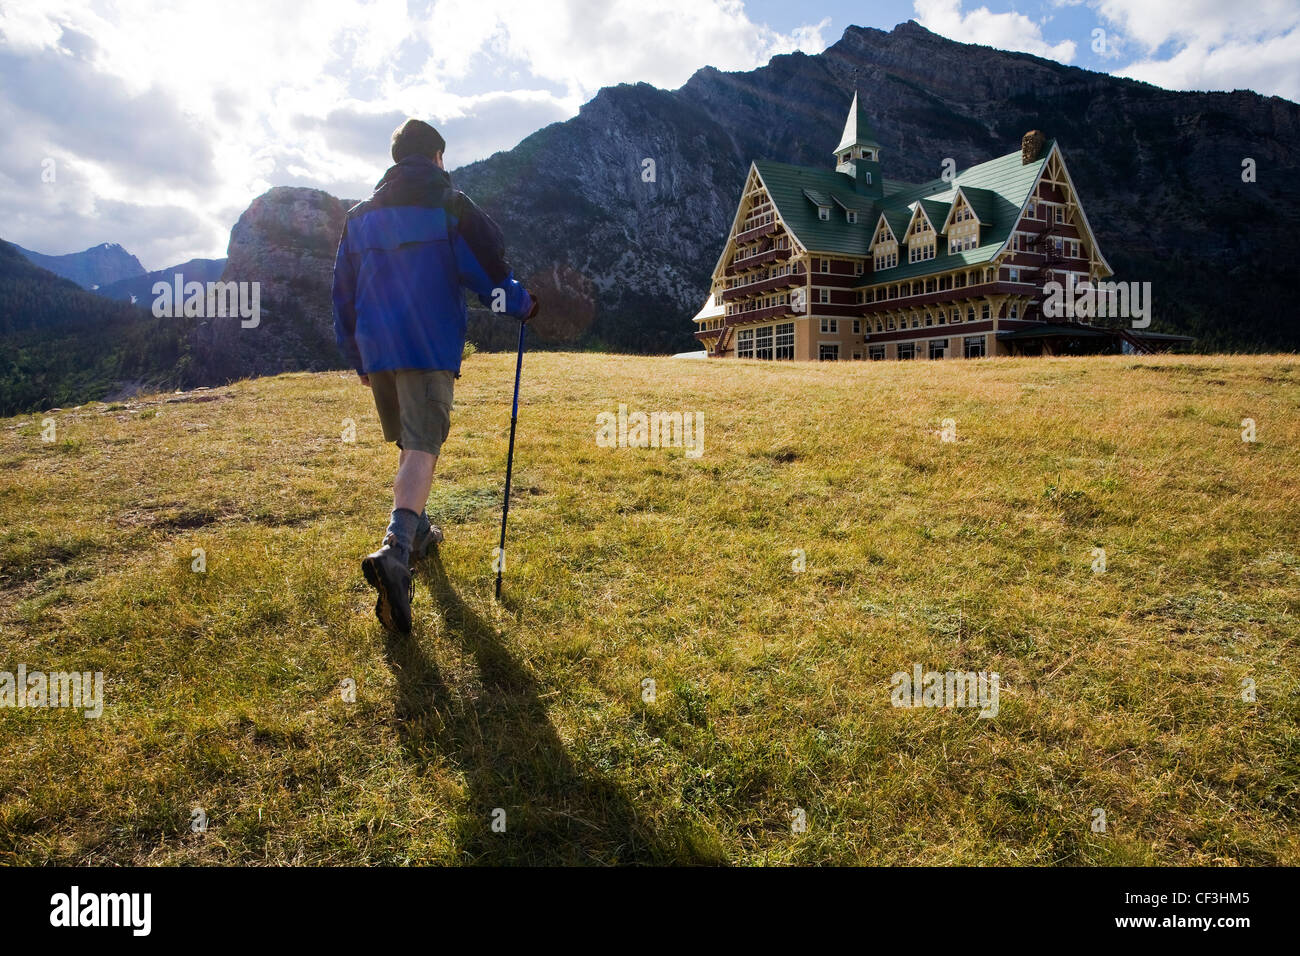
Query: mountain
1160	173
623	263
96	266
141	287
61	344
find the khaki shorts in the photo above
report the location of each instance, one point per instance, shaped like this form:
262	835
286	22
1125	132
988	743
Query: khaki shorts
414	407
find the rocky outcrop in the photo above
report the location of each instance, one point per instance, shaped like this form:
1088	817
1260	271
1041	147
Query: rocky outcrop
285	241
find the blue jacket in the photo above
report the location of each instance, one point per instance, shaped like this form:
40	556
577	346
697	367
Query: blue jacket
404	255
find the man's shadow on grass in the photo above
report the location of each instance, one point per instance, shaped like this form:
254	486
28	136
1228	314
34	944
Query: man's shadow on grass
513	759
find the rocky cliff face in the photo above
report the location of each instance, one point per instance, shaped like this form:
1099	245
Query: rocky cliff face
285	241
622	250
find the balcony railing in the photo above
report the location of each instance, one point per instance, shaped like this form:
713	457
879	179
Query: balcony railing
759	315
948	295
760	286
757	232
763	257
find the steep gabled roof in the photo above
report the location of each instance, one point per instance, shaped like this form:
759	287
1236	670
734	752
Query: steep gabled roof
997	190
936	212
857	131
981	202
984	203
789	187
818	198
1004	185
898	217
853	203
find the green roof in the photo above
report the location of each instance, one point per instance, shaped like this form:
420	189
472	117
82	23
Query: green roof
790	186
937	211
857	131
898	217
997	191
983	201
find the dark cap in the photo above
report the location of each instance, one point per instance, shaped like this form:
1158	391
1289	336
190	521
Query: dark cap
416	138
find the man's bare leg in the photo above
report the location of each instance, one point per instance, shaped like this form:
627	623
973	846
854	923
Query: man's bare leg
413	481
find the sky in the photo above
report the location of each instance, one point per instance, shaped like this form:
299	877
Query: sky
154	125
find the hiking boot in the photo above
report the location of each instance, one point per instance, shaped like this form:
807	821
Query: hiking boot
392	579
427	537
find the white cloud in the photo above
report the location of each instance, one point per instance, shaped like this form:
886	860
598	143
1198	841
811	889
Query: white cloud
1208	45
1006	31
201	106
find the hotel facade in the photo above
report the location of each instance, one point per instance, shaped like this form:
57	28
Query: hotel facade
841	264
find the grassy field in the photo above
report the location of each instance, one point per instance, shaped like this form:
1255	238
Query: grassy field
226	690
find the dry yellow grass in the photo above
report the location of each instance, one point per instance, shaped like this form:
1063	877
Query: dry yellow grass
1120	691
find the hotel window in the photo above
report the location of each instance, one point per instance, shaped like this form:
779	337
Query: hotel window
942	317
889	323
984	312
1013	274
822	295
821	265
828	352
970	314
745	343
785	340
929	319
859	267
1032	212
906	350
857	326
857	356
938	347
1013	310
831	325
850	215
763	343
824	213
1060	214
875	352
956	315
975	346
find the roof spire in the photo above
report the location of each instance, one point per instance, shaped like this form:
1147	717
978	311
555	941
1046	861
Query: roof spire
857	131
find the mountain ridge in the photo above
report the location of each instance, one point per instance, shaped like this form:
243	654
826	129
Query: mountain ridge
622	260
98	265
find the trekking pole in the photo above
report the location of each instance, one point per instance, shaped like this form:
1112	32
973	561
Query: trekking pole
510	459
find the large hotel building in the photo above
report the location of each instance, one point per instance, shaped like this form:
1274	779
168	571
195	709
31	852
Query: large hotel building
841	263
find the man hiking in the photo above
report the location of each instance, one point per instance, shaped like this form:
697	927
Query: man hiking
399	318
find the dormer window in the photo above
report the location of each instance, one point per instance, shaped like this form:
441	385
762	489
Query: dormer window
824	213
850	215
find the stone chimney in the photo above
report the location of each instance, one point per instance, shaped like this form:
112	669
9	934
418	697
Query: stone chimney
1031	146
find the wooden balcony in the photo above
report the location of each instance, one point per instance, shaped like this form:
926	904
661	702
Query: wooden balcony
762	286
754	260
950	296
762	315
758	232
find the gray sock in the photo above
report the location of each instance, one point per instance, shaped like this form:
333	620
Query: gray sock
401	526
425	525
